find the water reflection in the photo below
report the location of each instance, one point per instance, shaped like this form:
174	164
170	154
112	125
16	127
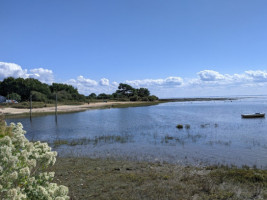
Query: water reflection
213	132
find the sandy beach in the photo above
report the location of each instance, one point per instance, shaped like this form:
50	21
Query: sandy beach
62	108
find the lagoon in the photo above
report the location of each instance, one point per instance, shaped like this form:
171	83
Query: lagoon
217	133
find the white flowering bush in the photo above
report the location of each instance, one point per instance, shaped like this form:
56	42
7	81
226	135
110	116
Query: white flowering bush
22	167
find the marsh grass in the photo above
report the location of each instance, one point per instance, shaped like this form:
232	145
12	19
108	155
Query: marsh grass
96	140
220	142
119	179
181	139
26	105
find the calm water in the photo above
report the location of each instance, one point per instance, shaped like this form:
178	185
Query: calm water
217	133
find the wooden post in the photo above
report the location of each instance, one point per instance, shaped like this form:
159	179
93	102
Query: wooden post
56	108
31	107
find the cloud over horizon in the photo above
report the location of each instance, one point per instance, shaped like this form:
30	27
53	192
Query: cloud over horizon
16	71
169	81
206	82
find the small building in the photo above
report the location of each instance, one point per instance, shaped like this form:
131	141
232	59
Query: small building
2	99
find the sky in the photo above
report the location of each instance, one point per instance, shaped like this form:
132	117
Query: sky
175	48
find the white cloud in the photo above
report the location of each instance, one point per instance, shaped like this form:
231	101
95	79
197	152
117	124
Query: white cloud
173	81
257	76
14	70
43	75
84	85
170	81
87	86
205	82
86	81
210	75
114	83
104	82
11	69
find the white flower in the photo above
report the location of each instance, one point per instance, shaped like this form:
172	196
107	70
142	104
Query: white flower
18	157
24	171
13	175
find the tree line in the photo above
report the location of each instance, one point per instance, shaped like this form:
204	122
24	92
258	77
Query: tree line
21	89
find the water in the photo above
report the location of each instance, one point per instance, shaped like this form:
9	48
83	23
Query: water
217	133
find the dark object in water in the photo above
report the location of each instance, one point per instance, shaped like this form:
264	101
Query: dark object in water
255	115
179	126
187	126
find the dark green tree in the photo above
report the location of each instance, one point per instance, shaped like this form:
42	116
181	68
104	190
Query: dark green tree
143	92
103	96
38	96
125	90
92	96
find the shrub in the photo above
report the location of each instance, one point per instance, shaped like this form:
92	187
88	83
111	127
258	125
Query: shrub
15	96
152	98
62	96
134	98
38	96
22	167
144	99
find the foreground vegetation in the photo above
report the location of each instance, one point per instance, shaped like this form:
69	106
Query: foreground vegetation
23	167
116	179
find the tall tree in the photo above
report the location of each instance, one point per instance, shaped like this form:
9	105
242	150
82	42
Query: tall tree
143	92
126	90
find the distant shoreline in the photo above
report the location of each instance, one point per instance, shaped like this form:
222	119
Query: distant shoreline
23	112
198	99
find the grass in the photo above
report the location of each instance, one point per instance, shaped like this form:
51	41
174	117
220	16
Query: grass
96	140
119	179
225	143
26	105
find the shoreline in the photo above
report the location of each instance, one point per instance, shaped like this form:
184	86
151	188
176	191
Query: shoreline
21	112
13	112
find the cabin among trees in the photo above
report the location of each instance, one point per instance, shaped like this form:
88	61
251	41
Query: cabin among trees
2	99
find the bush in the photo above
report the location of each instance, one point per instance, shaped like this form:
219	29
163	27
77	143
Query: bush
63	96
15	96
22	167
152	98
38	96
144	99
134	98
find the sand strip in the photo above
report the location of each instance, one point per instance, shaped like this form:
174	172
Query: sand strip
60	108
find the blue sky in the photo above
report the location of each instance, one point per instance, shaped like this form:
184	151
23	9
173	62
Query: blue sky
166	46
